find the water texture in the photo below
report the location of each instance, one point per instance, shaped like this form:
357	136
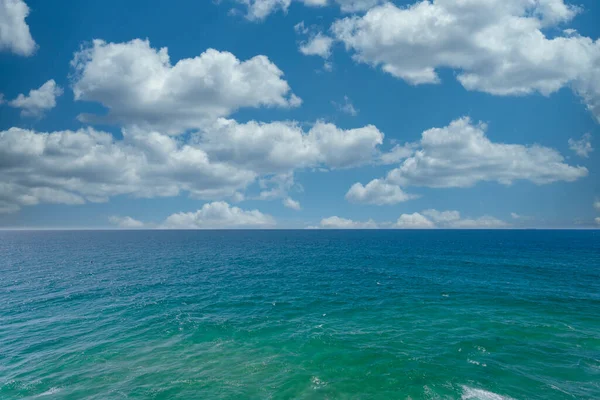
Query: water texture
300	315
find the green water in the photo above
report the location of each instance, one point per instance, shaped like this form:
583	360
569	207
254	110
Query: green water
300	315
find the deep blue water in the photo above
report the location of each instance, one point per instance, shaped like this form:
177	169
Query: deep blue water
300	314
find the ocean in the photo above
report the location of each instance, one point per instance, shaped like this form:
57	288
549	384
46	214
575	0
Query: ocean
317	314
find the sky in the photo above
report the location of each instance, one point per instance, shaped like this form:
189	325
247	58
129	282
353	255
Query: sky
325	114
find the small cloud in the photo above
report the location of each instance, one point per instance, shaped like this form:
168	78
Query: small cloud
597	220
414	221
582	147
597	205
346	107
300	28
126	222
336	222
219	215
317	45
291	203
377	192
39	100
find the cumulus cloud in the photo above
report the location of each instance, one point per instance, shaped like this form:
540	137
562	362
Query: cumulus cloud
219	162
218	215
39	100
317	45
460	155
377	192
443	217
278	147
14	31
139	85
126	222
343	223
291	203
413	221
427	219
258	10
597	220
72	167
582	147
447	219
496	46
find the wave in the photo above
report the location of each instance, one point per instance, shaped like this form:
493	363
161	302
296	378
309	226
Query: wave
470	393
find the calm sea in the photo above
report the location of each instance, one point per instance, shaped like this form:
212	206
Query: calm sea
300	315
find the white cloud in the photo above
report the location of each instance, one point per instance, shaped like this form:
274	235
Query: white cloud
315	3
485	222
597	220
139	86
414	221
377	192
258	10
126	222
86	165
347	107
277	186
397	154
447	219
317	45
582	147
74	167
14	31
278	147
496	46
460	155
597	205
444	217
427	219
219	215
291	203
39	100
343	223
351	6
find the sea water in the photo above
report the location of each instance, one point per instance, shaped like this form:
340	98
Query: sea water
300	314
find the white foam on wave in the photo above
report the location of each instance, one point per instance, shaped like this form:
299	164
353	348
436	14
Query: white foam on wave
470	393
49	392
475	362
317	383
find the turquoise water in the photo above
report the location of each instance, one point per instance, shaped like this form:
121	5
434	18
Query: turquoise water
300	315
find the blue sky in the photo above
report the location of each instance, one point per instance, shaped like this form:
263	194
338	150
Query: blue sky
305	113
